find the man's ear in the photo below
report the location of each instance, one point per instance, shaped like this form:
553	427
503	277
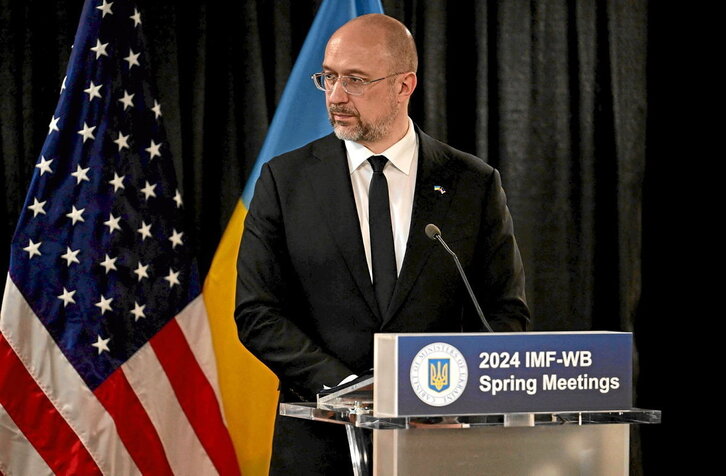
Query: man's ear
407	85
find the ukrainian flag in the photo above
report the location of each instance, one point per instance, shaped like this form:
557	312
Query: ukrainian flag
248	388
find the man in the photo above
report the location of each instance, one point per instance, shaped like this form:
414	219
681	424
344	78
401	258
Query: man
317	279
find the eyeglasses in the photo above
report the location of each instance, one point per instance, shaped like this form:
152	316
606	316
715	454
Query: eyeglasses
352	85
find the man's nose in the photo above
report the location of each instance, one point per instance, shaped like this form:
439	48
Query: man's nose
337	94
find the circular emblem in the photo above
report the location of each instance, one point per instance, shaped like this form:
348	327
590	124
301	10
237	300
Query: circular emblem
438	374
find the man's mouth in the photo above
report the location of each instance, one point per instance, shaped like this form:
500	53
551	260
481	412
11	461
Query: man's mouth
341	115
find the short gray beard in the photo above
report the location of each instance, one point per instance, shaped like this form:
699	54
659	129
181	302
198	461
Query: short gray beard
365	131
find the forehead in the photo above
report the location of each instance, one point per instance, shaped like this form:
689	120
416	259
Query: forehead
356	53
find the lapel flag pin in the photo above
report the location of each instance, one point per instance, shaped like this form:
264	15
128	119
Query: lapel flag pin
440	189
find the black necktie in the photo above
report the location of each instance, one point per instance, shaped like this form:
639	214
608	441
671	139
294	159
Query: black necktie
383	256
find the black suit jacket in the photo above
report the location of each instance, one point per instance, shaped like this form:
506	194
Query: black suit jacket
305	303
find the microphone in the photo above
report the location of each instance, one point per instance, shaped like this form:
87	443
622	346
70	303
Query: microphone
433	232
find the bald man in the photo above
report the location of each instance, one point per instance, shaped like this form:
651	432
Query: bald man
334	248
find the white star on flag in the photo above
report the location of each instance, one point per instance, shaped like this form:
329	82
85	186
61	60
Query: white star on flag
44	165
172	278
37	207
67	297
138	311
176	239
148	190
178	199
71	256
104	304
122	141
112	223
80	174
132	59
144	230
93	91
33	249
156	109
117	182
100	49
141	271
136	17
76	215
101	345
105	7
153	150
109	263
87	132
53	126
127	99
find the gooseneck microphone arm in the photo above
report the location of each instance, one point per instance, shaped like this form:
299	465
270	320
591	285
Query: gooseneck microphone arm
433	232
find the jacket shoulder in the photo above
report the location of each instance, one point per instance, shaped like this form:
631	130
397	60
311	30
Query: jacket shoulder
297	157
448	156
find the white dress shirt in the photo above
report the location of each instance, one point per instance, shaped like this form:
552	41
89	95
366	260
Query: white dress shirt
400	173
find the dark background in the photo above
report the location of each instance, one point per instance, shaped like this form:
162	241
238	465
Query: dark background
570	100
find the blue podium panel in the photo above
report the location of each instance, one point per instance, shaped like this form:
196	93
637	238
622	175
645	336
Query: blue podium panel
459	374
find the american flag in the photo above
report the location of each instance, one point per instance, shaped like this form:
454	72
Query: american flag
106	359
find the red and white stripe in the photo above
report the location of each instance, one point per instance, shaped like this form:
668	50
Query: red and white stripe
159	413
14	442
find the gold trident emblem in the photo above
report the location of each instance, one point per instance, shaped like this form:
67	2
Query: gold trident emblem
439	375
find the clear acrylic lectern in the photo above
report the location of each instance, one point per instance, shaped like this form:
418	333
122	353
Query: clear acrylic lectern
542	444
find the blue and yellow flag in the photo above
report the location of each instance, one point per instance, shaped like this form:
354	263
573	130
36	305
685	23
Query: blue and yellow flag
249	389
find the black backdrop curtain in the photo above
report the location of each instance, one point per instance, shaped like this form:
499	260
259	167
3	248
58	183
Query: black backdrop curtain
553	93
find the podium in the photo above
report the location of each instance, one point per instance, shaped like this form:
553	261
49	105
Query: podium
495	442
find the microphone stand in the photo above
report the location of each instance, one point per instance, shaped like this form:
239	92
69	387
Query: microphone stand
433	232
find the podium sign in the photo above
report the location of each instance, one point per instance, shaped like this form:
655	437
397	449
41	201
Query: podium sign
460	374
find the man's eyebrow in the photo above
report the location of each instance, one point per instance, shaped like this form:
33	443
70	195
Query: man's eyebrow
351	72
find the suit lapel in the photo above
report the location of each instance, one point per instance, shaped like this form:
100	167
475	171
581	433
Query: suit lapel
330	181
430	206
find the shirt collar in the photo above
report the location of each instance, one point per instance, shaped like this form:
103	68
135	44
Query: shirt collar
400	154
